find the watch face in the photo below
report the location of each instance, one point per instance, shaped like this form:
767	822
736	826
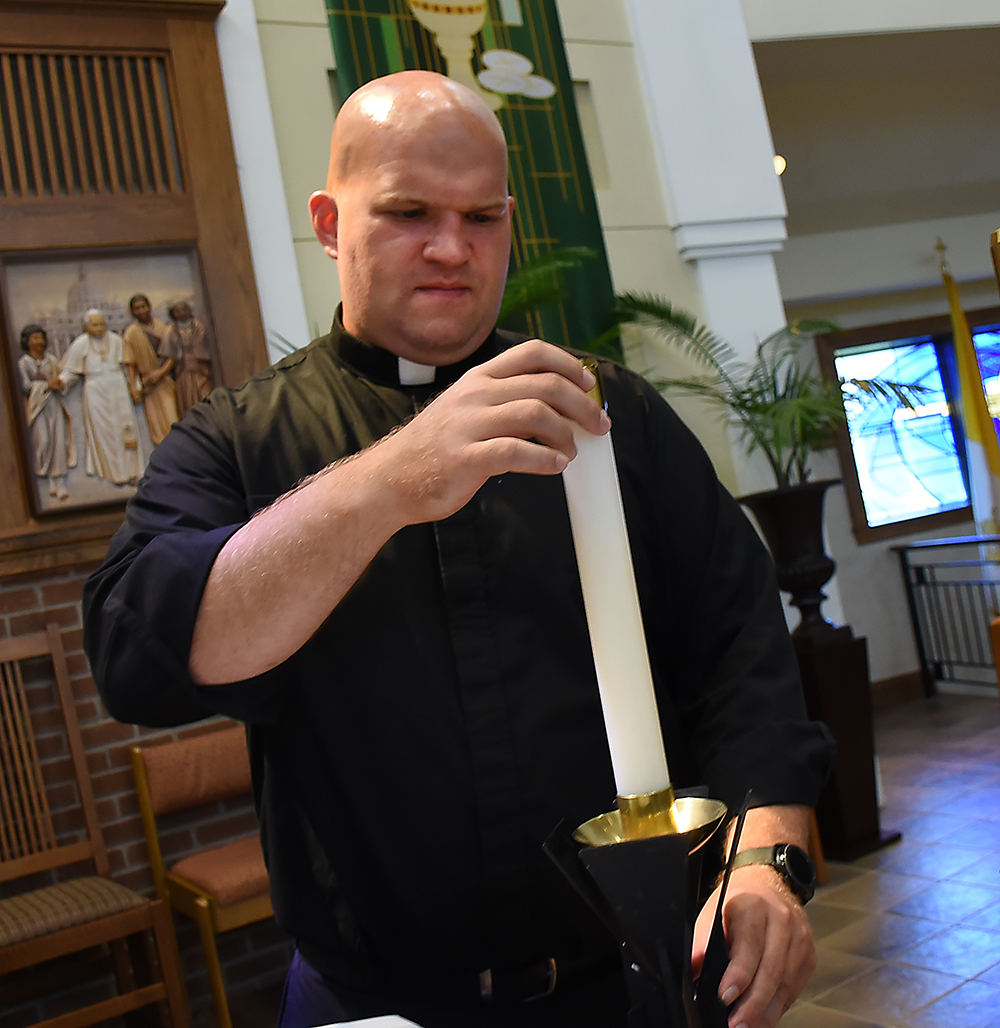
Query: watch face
800	869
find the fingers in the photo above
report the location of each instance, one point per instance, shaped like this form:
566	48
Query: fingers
538	370
516	413
771	949
702	932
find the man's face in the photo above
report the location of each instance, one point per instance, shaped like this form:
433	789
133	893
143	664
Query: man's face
181	312
95	325
140	310
423	241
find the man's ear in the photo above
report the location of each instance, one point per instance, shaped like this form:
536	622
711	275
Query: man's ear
323	209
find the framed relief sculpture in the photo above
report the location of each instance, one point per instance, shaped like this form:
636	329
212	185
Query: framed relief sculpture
106	349
119	184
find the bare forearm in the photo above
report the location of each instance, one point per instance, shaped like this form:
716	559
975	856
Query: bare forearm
771	949
766	826
278	577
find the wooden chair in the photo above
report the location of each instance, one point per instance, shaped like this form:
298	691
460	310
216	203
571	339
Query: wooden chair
221	888
41	923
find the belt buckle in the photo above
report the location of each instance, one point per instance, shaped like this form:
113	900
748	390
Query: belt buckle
486	983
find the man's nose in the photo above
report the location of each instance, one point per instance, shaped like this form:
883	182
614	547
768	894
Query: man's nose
447	243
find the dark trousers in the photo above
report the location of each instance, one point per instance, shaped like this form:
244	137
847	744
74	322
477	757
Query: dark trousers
597	1001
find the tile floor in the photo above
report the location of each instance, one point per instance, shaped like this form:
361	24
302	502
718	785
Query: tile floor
908	937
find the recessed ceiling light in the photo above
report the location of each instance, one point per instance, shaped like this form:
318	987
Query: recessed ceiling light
779	163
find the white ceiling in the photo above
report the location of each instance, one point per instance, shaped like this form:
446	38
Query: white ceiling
885	129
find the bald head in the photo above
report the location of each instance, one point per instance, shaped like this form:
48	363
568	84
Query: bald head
417	215
395	108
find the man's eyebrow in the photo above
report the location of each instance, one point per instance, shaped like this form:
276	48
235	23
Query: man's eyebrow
404	199
387	199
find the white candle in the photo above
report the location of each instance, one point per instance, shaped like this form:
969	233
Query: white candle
612	603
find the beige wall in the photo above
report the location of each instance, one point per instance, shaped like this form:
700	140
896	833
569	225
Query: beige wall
789	19
637	231
298	53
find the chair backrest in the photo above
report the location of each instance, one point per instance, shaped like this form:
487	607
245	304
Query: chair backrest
182	774
191	772
28	839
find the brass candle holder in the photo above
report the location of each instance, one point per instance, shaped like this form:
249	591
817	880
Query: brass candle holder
648	814
694	817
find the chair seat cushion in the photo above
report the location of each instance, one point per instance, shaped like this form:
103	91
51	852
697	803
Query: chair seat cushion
230	873
55	907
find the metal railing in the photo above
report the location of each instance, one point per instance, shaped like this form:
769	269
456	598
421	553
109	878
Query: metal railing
953	591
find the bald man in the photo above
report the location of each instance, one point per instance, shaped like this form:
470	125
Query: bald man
364	554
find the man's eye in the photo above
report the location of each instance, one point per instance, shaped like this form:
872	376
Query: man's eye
410	214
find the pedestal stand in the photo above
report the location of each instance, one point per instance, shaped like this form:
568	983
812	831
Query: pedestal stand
834	668
833	665
646	892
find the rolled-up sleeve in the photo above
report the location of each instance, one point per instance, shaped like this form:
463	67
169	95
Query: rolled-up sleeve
141	605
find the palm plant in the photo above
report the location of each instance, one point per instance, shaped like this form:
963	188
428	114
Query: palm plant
778	402
541	281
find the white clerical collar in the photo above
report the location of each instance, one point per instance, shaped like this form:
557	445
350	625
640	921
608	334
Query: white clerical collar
413	374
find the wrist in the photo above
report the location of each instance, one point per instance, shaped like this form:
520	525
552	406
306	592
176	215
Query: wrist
790	862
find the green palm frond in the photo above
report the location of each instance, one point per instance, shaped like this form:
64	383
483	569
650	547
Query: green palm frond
780	405
540	281
676	326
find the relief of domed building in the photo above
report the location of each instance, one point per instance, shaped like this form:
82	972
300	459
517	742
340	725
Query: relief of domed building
64	325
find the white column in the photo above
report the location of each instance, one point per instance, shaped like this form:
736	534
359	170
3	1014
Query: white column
268	225
716	165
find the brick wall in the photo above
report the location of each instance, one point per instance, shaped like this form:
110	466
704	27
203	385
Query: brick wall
253	957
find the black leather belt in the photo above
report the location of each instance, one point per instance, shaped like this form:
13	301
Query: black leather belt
501	985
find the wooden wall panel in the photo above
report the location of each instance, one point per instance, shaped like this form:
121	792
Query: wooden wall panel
114	132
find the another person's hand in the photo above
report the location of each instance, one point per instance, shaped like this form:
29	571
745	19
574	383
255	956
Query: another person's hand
771	950
515	413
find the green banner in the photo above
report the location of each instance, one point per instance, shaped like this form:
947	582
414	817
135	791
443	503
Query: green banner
512	52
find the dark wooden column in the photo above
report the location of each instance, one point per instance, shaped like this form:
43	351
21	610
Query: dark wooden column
835	679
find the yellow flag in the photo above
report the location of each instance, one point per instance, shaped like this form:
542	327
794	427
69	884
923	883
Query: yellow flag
980	433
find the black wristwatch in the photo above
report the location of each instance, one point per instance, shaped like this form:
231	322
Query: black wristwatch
791	862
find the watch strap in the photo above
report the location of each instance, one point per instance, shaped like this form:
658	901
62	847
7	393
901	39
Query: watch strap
776	857
760	855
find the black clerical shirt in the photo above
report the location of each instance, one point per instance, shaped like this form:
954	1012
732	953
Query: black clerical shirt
412	757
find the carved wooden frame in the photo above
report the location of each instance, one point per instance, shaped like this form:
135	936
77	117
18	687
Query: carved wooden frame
80	167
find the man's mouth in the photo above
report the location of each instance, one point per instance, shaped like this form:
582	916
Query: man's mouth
443	287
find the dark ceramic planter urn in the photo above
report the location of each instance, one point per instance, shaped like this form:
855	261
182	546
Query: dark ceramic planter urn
791	520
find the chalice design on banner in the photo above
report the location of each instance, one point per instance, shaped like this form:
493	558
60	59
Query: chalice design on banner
454	27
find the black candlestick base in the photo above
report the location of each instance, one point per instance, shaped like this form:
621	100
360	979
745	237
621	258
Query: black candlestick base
646	893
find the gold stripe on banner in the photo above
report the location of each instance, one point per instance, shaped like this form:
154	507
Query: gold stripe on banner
512	53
